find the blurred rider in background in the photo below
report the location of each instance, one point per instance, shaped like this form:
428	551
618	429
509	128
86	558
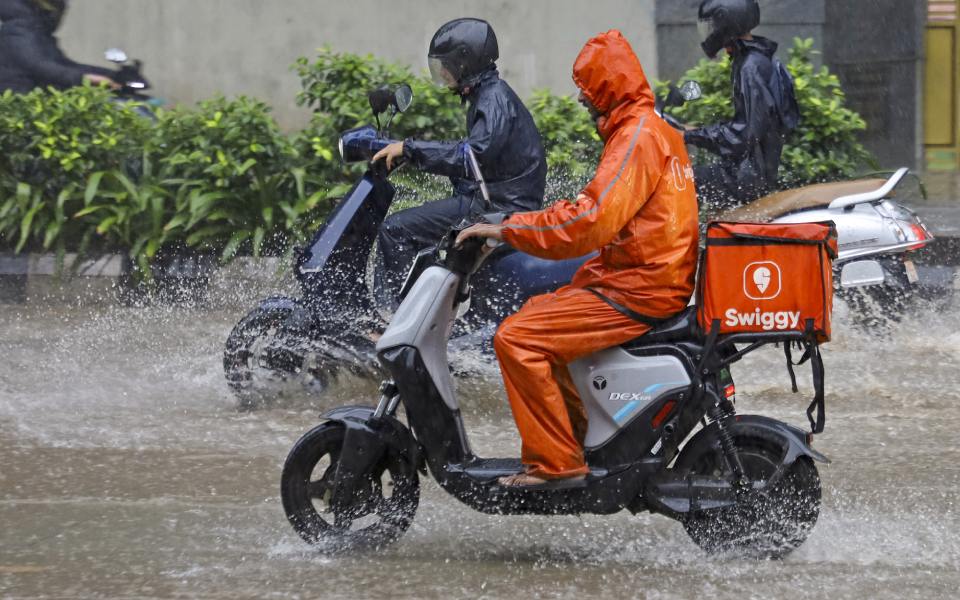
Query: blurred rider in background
30	56
748	146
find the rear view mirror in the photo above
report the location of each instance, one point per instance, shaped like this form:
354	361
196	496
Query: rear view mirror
691	91
403	97
380	99
116	55
385	97
861	273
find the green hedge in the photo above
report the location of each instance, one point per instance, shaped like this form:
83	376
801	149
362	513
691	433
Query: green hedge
79	172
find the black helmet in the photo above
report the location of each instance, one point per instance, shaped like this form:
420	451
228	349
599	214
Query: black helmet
723	21
460	51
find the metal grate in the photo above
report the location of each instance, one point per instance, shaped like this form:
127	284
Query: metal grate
941	10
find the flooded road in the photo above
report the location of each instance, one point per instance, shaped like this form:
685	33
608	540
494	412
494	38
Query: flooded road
126	471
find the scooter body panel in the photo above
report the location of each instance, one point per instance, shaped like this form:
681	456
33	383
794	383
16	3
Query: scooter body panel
300	318
332	270
509	278
413	350
857	228
473	480
616	387
423	322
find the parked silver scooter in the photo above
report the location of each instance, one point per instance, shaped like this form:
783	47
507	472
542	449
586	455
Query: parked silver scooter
876	234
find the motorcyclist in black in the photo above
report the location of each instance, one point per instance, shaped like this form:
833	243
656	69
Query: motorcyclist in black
765	109
501	133
30	56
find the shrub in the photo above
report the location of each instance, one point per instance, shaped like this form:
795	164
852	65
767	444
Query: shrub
80	171
824	147
238	178
571	140
50	142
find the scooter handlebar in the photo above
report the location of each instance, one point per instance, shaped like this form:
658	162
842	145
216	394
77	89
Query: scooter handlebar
361	144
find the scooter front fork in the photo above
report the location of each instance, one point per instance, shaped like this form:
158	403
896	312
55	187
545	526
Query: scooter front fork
389	400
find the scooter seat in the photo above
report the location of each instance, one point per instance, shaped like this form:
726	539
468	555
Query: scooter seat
683	327
782	203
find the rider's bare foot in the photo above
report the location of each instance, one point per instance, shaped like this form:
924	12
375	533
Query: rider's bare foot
524	480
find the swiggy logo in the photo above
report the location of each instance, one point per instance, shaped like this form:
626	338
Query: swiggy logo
762	280
681	173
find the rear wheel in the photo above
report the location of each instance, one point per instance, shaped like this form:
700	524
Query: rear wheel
380	511
767	524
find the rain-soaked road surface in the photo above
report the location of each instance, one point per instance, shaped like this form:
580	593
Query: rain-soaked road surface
126	471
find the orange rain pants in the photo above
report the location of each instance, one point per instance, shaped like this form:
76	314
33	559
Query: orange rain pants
640	212
534	347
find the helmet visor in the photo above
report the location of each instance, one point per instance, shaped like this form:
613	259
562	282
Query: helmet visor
440	74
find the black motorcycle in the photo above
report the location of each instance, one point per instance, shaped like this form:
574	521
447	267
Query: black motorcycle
305	342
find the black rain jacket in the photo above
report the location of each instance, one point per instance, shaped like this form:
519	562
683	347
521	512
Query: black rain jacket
29	54
765	111
507	145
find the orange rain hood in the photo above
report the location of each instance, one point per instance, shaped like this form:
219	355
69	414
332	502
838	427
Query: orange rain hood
610	76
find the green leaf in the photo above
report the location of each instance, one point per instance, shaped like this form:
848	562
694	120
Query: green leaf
93	186
230	250
53	230
246	166
89	210
104	226
25	227
258	236
175	222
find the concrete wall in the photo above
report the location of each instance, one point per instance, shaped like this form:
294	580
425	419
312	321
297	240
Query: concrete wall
874	46
876	49
195	48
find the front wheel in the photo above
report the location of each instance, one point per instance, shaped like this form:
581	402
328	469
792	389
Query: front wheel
380	510
767	524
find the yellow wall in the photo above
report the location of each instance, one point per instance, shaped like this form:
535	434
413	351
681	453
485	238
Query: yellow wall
941	117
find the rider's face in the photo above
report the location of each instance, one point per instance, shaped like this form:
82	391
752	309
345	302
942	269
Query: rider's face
594	113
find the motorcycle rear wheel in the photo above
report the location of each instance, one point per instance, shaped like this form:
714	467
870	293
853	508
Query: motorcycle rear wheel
771	524
382	508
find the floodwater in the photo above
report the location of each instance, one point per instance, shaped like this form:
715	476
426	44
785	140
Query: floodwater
126	471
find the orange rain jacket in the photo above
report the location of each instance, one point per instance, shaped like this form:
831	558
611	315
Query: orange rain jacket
640	210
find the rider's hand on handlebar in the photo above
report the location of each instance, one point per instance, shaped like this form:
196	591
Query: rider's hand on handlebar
480	230
391	153
101	80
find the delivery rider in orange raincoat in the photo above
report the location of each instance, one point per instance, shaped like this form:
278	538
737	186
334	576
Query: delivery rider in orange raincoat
640	212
